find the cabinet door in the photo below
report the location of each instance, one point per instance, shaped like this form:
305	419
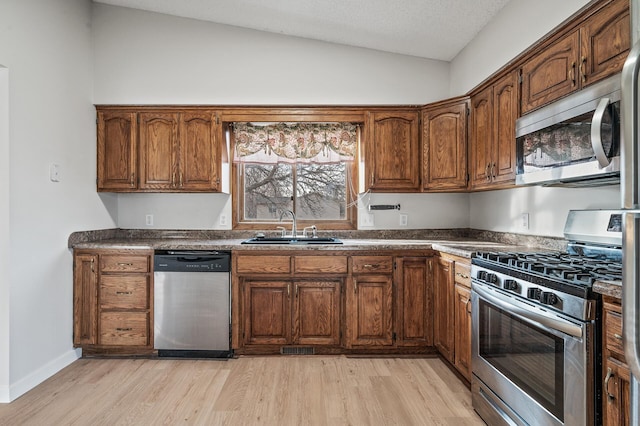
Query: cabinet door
117	144
267	313
158	148
444	139
414	323
481	137
616	393
605	39
316	313
443	319
551	74
505	114
463	330
370	311
393	160
199	152
85	299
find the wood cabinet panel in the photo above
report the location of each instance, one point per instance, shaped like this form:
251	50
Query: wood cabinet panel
263	264
605	40
267	312
462	272
316	313
444	140
85	300
613	332
124	328
616	376
392	163
318	264
124	263
158	150
505	114
371	264
443	316
124	292
552	73
481	137
414	324
370	311
462	321
117	151
199	152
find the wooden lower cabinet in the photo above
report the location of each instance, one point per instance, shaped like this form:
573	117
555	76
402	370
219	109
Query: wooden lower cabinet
370	311
462	320
112	301
316	313
267	312
414	302
616	376
443	318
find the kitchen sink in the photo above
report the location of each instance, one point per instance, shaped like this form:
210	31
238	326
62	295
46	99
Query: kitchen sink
292	240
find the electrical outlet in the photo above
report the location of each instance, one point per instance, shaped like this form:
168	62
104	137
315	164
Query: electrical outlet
366	219
149	220
404	219
223	220
525	220
54	172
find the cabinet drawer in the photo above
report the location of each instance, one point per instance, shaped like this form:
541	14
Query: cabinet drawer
124	292
365	264
124	263
613	332
264	264
328	264
463	273
124	328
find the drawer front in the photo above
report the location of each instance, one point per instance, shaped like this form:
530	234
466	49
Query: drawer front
463	273
365	264
264	264
327	264
124	292
613	337
124	328
124	263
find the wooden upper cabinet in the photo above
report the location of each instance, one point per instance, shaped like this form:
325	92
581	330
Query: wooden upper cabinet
444	139
158	150
199	152
492	144
392	159
594	50
605	40
117	147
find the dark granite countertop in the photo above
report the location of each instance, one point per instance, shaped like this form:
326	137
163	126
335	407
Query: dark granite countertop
608	288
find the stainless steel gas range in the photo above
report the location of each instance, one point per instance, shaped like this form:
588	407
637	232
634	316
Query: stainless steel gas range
535	326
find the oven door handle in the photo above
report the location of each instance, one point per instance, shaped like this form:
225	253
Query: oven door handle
547	321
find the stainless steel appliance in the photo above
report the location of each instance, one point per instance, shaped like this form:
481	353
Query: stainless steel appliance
630	182
574	141
535	329
192	316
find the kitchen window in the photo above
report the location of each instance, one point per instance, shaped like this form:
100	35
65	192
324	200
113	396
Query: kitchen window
308	168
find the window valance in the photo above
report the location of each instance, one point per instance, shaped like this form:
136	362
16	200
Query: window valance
295	142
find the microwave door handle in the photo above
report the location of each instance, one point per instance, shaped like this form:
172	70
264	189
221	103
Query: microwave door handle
596	133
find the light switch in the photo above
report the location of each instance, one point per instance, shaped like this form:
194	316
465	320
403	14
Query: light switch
54	172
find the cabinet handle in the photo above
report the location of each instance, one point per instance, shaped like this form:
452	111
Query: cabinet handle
296	290
133	180
355	286
583	61
371	184
124	292
180	179
468	306
288	290
92	263
572	73
493	170
368	265
124	329
124	264
173	179
617	336
486	172
606	384
465	276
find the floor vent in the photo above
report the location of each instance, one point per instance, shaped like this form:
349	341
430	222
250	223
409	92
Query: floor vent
297	350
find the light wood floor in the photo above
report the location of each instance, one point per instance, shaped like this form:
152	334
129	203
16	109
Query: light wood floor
279	390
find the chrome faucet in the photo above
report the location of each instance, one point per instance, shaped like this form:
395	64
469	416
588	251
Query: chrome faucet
294	230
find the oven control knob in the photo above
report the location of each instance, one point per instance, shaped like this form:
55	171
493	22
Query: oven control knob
482	275
510	285
534	293
492	278
548	298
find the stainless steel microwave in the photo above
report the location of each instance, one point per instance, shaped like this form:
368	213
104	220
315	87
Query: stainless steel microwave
574	141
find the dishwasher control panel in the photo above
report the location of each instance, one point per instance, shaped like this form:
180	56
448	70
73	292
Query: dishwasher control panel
192	261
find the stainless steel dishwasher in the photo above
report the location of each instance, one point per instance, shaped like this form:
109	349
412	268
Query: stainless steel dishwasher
192	304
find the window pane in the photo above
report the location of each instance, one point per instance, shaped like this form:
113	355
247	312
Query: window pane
268	190
321	191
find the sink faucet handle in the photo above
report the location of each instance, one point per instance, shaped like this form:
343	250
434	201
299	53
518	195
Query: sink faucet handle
282	230
313	231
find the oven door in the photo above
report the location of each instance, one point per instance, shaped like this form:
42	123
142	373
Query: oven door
530	366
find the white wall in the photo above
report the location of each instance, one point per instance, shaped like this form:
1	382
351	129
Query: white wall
520	24
4	233
46	46
150	58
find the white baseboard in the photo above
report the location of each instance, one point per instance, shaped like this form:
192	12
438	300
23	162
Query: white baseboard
40	375
4	394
